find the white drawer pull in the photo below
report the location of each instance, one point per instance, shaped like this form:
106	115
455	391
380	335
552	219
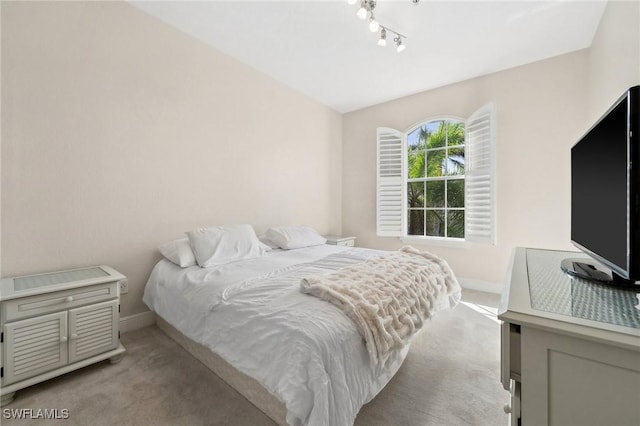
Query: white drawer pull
507	408
69	299
74	336
63	339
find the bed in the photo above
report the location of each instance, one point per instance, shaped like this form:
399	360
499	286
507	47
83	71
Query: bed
299	359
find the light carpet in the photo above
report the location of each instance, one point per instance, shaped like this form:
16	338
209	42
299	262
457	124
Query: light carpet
451	377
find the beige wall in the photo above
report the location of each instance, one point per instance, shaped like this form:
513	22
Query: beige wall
120	133
614	56
540	114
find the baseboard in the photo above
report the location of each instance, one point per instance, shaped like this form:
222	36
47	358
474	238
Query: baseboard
485	286
136	321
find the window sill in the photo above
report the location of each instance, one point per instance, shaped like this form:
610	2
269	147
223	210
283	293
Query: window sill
435	241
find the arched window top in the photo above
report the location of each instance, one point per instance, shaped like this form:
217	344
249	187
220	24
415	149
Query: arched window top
444	139
434	121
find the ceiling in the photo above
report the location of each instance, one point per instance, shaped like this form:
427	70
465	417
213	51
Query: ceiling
320	48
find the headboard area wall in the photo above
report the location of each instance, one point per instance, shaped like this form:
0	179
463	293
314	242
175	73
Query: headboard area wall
119	133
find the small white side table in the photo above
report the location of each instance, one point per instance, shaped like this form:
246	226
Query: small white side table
54	323
341	241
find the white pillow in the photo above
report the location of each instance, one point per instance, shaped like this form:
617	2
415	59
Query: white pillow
293	237
267	242
218	245
179	252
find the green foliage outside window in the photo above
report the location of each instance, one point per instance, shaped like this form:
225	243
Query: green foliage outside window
435	181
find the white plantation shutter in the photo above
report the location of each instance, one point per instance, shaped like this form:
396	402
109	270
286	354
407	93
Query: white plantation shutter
480	193
390	183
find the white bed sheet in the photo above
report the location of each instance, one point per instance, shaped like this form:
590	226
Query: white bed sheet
303	350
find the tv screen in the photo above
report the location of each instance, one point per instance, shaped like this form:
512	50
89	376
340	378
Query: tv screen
604	188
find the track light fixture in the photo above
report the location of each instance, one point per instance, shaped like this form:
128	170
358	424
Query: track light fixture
366	9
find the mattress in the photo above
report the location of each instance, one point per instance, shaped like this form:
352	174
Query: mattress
251	313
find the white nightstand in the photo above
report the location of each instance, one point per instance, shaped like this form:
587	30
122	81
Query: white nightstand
340	241
54	323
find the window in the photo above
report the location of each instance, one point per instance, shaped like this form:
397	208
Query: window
437	179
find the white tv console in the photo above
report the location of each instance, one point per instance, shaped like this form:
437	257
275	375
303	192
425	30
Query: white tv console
570	348
54	323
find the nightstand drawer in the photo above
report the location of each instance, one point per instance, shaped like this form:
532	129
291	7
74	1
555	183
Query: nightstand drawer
51	302
346	243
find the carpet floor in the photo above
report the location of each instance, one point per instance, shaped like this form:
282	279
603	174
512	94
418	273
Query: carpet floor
451	377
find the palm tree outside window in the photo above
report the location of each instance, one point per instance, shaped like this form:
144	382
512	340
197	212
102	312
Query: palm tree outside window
436	179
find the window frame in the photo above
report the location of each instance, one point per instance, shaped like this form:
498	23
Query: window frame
406	237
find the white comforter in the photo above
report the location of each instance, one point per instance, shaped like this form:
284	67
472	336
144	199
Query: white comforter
252	313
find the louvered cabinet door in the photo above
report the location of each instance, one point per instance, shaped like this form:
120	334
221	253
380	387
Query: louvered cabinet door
35	346
93	329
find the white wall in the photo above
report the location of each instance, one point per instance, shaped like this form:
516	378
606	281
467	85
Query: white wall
540	114
614	56
120	133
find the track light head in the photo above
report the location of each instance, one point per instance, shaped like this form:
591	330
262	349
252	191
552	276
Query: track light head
373	24
382	41
399	46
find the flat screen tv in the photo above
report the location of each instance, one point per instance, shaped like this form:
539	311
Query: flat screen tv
605	195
